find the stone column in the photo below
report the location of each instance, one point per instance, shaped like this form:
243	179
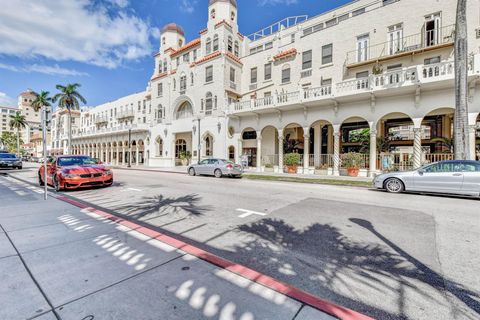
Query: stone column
318	144
472	136
117	160
373	153
329	140
259	151
239	151
111	155
306	149
336	152
280	150
417	147
137	154
123	155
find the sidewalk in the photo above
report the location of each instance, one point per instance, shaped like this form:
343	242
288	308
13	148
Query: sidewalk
183	170
61	261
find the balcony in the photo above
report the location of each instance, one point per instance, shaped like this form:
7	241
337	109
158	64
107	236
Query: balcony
410	78
101	119
105	131
415	43
125	114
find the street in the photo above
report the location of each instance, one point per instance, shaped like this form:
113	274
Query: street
389	256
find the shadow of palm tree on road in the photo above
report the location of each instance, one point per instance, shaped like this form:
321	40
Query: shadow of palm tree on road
320	259
155	206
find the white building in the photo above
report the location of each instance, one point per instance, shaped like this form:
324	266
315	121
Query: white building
32	117
316	86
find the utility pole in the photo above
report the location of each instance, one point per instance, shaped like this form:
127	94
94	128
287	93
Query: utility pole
44	141
129	148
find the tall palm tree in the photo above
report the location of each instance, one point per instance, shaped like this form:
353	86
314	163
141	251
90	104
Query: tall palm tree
69	98
42	100
461	74
18	121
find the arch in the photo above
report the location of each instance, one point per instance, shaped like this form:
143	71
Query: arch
208	46
231	153
251	136
208	103
230	44
184	111
159	147
354	135
392	115
293	138
215	43
180	146
435	111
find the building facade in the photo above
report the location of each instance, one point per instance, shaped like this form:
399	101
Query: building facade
32	116
372	77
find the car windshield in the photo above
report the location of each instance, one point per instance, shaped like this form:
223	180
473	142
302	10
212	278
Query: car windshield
7	156
75	161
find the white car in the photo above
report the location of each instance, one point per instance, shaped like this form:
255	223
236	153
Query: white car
452	177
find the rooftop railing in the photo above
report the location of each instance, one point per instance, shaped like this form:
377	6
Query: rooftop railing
277	26
405	44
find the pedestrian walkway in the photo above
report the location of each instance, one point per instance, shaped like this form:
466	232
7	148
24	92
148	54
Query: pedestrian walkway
250	172
59	261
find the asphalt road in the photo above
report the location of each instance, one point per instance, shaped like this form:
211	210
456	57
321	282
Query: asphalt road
386	255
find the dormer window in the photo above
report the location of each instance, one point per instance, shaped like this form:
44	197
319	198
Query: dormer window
212	14
180	43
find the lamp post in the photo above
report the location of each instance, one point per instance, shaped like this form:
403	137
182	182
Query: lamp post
129	148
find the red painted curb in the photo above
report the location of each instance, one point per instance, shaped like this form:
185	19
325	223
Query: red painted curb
250	274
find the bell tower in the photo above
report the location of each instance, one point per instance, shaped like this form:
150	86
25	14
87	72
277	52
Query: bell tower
172	36
219	10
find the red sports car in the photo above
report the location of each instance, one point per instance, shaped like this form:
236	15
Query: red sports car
73	172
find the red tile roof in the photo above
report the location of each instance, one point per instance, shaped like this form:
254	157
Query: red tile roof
240	35
233	57
223	22
189	45
285	53
161	75
203	31
209	57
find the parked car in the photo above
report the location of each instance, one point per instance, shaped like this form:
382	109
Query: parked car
452	177
216	167
73	172
10	160
34	159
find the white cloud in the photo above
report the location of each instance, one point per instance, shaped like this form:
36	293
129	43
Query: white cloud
7	101
276	2
81	30
188	5
50	70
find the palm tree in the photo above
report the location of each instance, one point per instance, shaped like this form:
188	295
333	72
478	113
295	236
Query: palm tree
18	121
69	98
41	100
461	60
448	143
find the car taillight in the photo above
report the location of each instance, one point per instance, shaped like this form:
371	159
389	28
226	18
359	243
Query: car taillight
229	166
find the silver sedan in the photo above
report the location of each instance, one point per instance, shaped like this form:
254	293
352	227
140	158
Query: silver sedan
454	177
215	167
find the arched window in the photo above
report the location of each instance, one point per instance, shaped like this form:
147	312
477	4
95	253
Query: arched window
212	14
237	49
180	42
286	73
192	81
165	65
230	44
232	16
174	84
160	112
208	103
183	82
180	146
208	146
163	41
231	153
159	147
215	42
184	111
208	46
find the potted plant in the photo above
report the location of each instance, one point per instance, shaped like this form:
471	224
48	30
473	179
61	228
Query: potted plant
291	161
353	161
185	157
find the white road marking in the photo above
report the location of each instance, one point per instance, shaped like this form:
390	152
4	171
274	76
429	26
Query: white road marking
133	189
247	213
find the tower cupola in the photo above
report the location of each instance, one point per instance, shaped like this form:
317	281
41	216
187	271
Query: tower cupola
172	36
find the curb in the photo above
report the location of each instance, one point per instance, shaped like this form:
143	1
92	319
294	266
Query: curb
243	271
147	170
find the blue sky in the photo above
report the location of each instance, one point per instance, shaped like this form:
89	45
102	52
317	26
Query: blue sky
107	45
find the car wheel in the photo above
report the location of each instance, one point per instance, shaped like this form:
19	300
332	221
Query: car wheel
191	172
217	173
40	181
20	168
394	185
56	184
